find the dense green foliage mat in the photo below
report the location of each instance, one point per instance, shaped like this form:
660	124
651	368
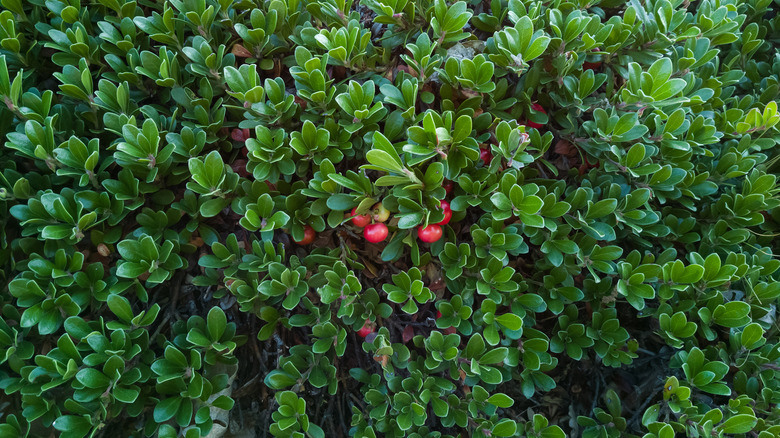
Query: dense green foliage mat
389	218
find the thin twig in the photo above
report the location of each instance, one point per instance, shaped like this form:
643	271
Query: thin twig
245	389
177	280
641	409
596	395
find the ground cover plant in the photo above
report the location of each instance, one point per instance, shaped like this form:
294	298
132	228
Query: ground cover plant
389	218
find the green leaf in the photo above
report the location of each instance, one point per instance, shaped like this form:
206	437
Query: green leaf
692	274
494	356
278	380
383	160
501	400
501	201
475	346
384	155
752	335
510	321
505	428
216	323
635	155
120	306
126	395
601	208
732	314
740	423
93	379
212	207
73	426
223	402
166	409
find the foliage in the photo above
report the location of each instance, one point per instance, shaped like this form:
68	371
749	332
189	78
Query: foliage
609	268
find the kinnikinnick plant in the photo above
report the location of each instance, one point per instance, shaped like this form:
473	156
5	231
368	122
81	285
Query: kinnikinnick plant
389	218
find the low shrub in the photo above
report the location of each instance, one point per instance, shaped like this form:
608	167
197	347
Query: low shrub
427	218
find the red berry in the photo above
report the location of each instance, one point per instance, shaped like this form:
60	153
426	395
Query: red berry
430	234
239	166
308	236
445	206
365	330
240	134
301	102
449	185
375	233
380	213
448	330
591	65
536	107
360	220
485	155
